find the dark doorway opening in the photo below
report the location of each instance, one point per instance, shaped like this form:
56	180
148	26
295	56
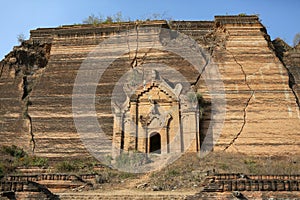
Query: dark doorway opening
155	143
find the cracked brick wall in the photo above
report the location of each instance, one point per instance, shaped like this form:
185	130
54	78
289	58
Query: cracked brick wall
53	125
290	57
262	116
20	71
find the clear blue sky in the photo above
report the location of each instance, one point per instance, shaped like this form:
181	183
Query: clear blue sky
281	17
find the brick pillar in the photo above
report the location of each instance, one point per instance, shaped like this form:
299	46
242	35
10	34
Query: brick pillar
129	133
142	139
164	140
134	125
127	127
117	135
190	130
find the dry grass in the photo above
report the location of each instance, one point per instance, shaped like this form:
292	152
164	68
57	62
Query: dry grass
189	170
186	172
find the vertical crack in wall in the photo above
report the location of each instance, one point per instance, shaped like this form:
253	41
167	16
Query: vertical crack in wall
26	116
279	52
207	59
134	60
1	70
292	83
128	42
146	54
212	41
246	105
28	60
296	97
202	71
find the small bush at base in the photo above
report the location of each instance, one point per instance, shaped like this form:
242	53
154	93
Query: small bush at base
14	151
67	166
131	160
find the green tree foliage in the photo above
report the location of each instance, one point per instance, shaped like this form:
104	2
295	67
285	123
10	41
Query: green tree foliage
296	39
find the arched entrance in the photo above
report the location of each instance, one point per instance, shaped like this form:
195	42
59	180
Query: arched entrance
155	143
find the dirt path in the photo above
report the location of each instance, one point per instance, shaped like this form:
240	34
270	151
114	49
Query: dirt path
132	192
137	181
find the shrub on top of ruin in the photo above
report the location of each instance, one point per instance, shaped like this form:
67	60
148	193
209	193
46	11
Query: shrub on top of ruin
158	16
21	38
296	40
92	19
118	17
95	20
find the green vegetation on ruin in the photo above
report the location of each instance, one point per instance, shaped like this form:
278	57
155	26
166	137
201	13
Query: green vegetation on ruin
186	172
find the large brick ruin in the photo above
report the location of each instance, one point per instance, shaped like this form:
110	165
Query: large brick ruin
260	82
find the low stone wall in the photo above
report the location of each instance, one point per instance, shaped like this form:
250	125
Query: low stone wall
50	177
253	185
256	177
15	186
25	190
241	182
